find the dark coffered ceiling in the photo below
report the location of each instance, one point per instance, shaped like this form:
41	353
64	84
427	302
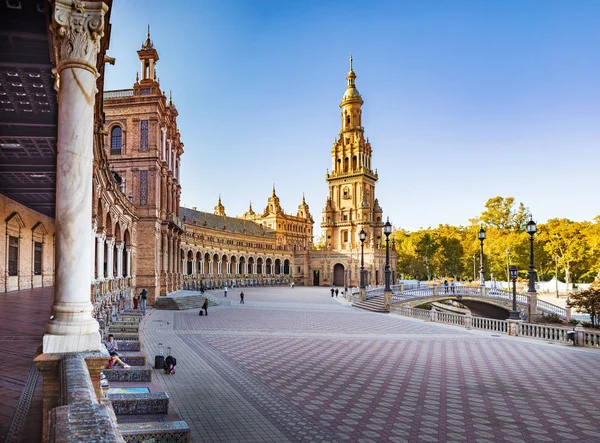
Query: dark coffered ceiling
28	108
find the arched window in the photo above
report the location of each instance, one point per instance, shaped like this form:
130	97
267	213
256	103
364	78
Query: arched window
347	120
116	140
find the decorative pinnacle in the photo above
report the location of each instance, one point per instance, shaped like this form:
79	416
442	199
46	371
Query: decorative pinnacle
350	59
170	97
137	77
273	189
148	35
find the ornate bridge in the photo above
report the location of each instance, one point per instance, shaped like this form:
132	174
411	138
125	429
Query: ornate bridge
413	295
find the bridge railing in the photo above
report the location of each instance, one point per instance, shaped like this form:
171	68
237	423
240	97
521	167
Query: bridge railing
532	330
544	306
426	291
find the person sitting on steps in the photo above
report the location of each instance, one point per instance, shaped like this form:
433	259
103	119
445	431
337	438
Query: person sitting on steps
112	348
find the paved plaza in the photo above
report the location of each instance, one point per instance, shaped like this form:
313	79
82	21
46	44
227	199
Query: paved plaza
296	365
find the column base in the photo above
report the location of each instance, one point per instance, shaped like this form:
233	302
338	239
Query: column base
513	327
387	300
53	344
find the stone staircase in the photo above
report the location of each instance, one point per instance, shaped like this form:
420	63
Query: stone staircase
142	410
374	304
183	302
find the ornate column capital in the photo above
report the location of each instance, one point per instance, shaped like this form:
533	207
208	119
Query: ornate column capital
77	27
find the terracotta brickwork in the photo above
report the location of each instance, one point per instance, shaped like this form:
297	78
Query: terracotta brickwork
28	227
144	148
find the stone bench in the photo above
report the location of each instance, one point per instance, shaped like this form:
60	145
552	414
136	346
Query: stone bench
129	346
132	359
133	404
157	432
135	373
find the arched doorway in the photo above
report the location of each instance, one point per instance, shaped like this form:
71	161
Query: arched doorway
338	275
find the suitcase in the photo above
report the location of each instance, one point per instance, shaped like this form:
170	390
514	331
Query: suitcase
159	360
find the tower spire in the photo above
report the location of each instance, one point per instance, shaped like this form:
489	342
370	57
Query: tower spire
350	61
148	35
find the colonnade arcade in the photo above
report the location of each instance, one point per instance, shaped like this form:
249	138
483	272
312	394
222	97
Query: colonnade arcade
217	269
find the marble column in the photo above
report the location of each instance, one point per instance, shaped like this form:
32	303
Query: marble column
100	257
129	261
210	267
120	260
77	28
109	259
93	251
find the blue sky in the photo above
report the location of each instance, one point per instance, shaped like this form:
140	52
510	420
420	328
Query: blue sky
464	100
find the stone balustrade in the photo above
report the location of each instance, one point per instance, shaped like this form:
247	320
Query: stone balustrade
531	330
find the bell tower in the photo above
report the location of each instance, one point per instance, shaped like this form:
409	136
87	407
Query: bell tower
351	204
148	82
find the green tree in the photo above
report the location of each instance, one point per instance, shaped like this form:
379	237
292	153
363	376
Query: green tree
563	240
588	301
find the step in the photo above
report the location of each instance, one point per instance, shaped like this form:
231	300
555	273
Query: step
135	373
134	404
157	432
129	346
374	304
185	302
132	358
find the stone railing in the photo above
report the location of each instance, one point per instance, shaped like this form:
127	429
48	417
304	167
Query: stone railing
580	336
545	332
119	93
403	294
489	324
172	218
72	399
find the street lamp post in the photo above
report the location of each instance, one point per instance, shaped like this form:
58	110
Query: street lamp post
362	236
481	236
531	229
514	314
387	291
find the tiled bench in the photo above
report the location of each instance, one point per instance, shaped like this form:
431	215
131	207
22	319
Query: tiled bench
125	336
129	345
116	328
132	359
157	432
130	404
135	373
132	312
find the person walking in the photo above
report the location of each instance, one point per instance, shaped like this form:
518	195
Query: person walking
446	286
332	291
225	290
242	298
452	286
204	307
144	295
337	291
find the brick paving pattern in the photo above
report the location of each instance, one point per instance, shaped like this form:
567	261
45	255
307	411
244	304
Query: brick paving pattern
23	315
297	365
